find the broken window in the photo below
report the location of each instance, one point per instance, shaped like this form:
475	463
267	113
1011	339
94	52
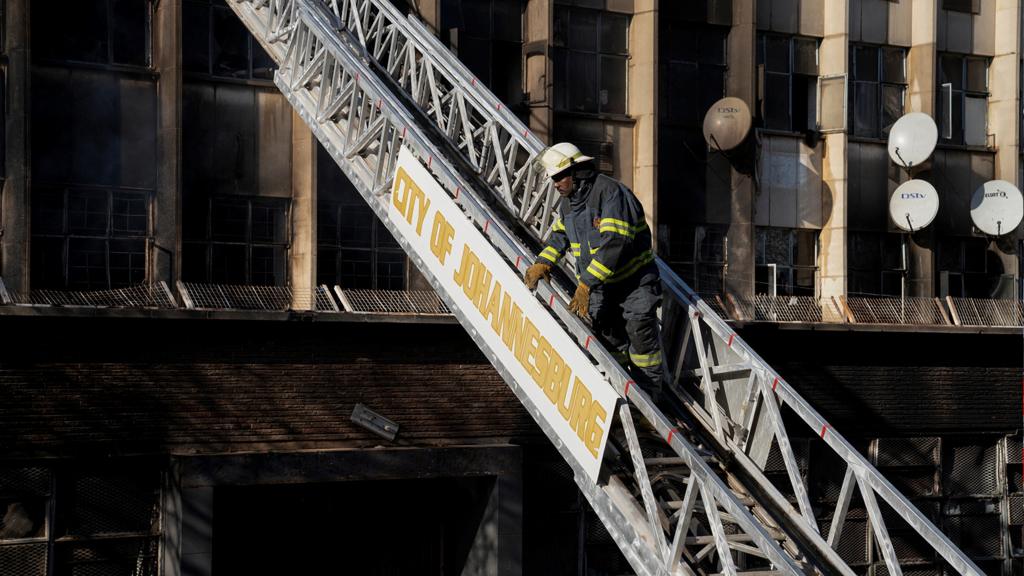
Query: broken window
354	249
99	32
487	36
963	99
788	71
877	89
786	261
88	238
589	55
875	264
235	241
216	43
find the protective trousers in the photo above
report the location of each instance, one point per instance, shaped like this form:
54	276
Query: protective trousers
625	318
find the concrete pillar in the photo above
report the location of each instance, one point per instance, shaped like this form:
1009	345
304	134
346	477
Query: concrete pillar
538	81
643	106
14	203
302	254
740	82
1004	105
165	251
833	58
921	69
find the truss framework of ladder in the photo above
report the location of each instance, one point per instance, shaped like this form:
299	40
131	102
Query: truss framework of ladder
330	53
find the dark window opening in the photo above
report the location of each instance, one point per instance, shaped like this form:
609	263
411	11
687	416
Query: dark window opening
98	32
791	255
788	67
968	269
235	240
487	36
875	264
216	43
589	57
969	6
88	239
354	248
878	85
963	99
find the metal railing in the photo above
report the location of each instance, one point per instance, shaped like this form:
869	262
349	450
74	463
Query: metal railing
399	302
156	295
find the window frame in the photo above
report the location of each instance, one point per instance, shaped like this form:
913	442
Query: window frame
561	50
253	48
66	236
108	62
811	114
210	241
960	96
879	131
789	269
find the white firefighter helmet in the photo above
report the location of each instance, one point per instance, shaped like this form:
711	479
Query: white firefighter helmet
561	157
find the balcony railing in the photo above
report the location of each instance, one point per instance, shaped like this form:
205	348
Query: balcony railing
968	312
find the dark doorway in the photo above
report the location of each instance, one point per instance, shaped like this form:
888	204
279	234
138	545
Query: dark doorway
380	528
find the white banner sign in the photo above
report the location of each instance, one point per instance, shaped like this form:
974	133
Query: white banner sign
571	395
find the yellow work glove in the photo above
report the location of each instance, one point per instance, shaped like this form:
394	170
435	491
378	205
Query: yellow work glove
536	272
580	303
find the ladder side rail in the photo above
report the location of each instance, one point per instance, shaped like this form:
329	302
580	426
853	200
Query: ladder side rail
426	149
525	192
787	395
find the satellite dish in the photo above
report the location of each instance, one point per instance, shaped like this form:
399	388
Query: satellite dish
913	205
727	123
912	139
997	207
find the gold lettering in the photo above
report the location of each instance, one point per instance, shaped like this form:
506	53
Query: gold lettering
466	267
441	237
594	429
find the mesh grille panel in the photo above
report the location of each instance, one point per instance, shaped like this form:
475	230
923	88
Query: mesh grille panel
114	504
913	483
1016	510
23	560
24	481
120	557
976	535
907	452
970	469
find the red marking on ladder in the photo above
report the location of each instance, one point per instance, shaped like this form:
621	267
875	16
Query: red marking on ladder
430	160
486	225
473	82
380	101
525	132
824	427
671	433
587	343
357	76
551	301
518	259
775	383
404	130
731	336
628	384
499	106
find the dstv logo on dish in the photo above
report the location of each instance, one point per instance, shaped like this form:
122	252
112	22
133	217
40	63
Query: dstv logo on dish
912	196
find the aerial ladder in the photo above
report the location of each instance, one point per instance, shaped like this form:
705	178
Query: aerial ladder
715	487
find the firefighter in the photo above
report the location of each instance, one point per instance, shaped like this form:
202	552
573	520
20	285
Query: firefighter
619	289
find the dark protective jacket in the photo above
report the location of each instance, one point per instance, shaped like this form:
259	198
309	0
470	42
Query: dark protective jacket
603	224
